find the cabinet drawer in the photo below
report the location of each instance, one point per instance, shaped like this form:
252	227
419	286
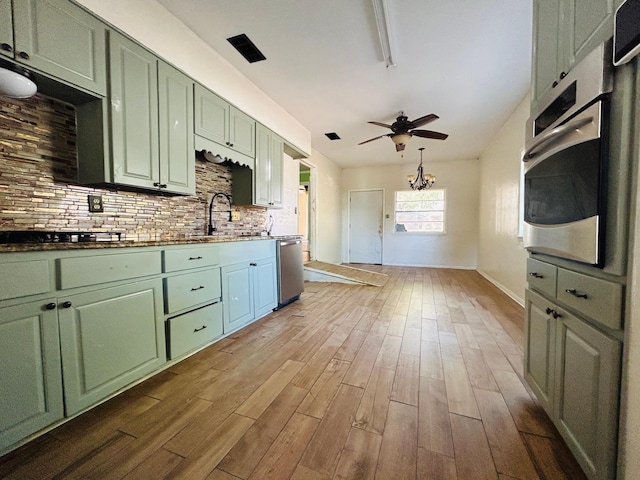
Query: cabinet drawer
193	329
20	279
598	299
82	271
542	276
184	291
185	258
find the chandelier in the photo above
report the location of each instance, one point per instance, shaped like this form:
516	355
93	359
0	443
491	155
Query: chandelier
423	180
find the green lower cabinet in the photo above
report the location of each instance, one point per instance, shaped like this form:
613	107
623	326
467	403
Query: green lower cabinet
574	370
237	296
30	377
265	286
587	387
249	291
110	338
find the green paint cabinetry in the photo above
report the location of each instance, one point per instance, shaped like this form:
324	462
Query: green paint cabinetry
564	32
249	283
220	122
263	185
151	117
109	338
30	375
573	368
573	359
58	38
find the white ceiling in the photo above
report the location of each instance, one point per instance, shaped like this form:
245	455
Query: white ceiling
467	61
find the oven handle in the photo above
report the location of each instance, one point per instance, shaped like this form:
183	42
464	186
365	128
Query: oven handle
535	146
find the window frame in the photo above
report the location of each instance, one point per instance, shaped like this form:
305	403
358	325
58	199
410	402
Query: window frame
444	213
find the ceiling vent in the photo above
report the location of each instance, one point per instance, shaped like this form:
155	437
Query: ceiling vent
332	136
247	48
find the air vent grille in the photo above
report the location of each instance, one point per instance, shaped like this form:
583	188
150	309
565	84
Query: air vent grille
332	136
247	48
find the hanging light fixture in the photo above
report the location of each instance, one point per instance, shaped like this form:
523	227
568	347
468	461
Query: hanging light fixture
423	180
15	85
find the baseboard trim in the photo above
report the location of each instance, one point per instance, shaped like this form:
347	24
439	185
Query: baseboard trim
504	289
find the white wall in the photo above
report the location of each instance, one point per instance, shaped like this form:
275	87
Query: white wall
326	212
152	25
458	247
501	257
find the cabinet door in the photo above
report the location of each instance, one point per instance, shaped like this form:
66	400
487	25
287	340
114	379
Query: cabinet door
587	394
591	24
277	171
242	132
177	151
262	173
547	56
30	377
237	296
265	291
134	113
211	116
6	29
109	338
539	348
63	40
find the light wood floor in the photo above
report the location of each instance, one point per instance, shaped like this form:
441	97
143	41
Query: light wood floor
420	379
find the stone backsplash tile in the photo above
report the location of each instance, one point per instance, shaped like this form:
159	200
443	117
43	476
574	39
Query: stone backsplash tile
39	189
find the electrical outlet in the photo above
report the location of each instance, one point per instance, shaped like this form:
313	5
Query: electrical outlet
235	216
95	203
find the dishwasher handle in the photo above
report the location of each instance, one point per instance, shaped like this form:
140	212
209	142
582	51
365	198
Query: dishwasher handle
284	243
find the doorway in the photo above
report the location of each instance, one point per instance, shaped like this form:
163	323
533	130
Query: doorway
365	226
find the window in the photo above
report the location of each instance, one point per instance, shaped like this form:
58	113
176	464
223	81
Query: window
420	211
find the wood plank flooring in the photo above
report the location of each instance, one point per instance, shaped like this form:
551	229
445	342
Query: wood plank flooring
419	379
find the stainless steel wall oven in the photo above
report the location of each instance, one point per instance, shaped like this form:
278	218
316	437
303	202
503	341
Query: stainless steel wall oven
566	152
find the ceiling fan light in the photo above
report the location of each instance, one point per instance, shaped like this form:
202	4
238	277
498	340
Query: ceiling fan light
401	138
14	85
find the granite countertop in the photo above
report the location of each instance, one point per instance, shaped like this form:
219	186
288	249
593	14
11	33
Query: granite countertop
33	247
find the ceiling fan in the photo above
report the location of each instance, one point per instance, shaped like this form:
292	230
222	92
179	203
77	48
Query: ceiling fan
403	129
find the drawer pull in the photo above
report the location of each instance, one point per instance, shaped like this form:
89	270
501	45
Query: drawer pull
536	275
198	329
197	288
253	264
553	313
573	291
195	258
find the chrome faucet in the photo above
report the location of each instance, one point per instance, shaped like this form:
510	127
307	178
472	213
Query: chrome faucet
212	228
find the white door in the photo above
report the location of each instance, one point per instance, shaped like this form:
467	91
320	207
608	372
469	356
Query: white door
365	226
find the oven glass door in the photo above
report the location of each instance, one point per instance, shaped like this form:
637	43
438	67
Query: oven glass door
564	189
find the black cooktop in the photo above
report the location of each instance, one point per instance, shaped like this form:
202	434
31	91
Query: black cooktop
43	236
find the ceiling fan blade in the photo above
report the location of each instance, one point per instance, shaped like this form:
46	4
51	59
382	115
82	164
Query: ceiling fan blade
380	124
372	139
418	122
429	134
400	147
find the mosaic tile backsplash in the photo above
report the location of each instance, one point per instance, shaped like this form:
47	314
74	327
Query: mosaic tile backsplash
39	189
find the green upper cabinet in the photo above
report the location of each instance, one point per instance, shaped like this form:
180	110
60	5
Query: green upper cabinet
6	29
177	158
222	123
261	186
134	113
30	377
58	38
242	132
151	115
565	31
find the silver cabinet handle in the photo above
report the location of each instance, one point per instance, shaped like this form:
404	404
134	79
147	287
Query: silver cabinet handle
536	275
198	329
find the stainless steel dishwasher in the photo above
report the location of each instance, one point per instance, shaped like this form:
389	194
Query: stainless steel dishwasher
290	270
